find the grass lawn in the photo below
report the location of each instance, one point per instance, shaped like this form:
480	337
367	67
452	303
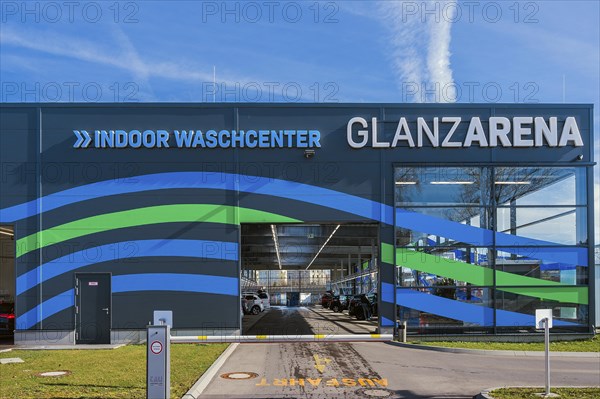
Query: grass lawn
100	374
530	393
587	345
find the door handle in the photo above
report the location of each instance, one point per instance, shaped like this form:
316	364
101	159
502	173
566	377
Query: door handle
106	310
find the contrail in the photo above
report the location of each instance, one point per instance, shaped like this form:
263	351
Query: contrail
421	47
438	52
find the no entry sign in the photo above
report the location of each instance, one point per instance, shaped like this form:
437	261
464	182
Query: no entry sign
156	347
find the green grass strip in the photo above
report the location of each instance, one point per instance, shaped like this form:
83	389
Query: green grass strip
536	393
584	345
205	213
100	374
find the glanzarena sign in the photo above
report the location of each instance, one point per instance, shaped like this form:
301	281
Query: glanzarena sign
520	131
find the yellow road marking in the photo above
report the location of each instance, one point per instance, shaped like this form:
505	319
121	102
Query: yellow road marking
321	363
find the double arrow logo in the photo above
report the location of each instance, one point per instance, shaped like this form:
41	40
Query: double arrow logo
83	139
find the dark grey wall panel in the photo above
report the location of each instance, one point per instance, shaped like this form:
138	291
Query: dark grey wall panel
190	310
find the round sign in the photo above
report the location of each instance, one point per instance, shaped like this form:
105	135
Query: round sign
156	347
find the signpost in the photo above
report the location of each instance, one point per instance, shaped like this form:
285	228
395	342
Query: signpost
158	362
543	319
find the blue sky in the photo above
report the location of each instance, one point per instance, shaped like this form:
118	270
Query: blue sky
348	51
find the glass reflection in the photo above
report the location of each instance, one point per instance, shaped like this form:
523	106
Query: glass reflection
562	226
539	186
476	217
442	186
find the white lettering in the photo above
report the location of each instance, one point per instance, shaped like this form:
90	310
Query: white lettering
434	137
376	143
570	132
476	133
403	126
361	133
519	131
542	130
456	120
499	129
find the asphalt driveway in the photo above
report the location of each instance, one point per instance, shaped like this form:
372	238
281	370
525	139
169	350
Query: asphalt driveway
372	369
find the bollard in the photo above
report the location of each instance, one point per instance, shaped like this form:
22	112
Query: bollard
547	353
543	319
402	331
158	362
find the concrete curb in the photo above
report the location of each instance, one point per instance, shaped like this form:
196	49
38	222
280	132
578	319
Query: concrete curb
200	385
485	394
5	350
496	352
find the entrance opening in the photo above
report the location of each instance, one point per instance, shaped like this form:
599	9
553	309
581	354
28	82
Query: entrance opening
303	279
7	285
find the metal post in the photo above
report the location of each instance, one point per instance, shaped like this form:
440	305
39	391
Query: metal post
404	328
547	353
158	362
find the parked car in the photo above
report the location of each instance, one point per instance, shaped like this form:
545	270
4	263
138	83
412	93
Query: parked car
266	299
326	300
7	318
263	295
356	309
244	305
353	303
339	303
253	304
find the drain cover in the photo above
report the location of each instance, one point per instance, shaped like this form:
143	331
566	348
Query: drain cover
375	393
239	375
54	373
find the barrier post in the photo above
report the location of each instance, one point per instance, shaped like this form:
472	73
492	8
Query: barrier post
543	319
158	362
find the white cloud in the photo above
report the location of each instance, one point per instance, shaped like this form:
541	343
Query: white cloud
119	54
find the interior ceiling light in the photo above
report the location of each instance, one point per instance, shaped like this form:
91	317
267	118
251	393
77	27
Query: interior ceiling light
7	233
513	182
323	246
452	182
276	241
403	183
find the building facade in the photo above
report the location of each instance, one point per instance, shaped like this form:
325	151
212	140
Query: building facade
485	212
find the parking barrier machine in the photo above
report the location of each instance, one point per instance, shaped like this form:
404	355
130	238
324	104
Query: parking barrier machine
158	362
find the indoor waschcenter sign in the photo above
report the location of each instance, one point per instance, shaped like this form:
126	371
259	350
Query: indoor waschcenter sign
443	132
197	139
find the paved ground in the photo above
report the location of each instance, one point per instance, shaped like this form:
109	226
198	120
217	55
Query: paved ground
370	369
281	320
